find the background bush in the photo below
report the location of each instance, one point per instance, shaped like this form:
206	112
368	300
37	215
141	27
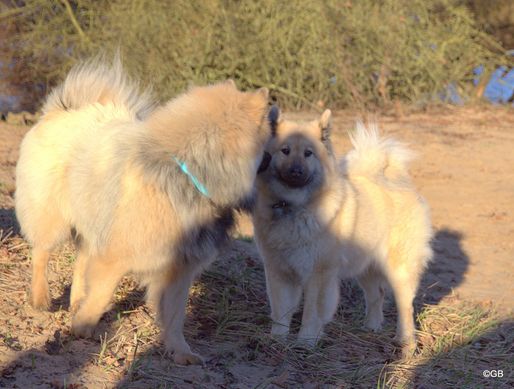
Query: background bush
309	53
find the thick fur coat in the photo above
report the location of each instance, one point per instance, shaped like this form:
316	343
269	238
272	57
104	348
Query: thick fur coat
105	162
318	220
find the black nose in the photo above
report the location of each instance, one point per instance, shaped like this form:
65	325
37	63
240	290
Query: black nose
295	176
296	171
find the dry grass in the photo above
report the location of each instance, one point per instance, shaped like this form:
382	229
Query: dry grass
228	322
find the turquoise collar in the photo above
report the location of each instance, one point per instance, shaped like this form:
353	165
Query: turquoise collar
198	185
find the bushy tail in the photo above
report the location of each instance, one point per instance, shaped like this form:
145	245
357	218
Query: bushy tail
96	81
381	159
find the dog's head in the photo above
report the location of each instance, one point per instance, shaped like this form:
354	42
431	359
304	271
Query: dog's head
298	156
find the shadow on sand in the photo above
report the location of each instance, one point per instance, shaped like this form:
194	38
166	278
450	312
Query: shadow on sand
447	269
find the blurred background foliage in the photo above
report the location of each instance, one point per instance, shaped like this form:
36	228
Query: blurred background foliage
335	53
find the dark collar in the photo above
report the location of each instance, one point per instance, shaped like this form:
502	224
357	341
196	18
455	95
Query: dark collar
279	204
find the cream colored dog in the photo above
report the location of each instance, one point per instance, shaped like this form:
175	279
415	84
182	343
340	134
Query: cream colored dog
147	190
318	220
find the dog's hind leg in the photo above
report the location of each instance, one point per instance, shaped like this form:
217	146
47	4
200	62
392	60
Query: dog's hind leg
372	283
39	289
174	287
404	283
320	304
102	275
48	234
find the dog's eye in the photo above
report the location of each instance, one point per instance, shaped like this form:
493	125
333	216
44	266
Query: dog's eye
307	153
285	150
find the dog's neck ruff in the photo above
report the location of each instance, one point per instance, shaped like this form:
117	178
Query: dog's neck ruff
198	185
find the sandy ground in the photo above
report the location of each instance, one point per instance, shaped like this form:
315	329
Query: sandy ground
465	169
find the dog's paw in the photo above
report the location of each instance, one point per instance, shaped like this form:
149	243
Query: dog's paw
82	329
40	296
407	345
306	342
41	301
187	359
279	331
374	319
373	325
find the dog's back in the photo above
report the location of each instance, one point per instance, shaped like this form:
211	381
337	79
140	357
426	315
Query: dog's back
378	169
381	159
75	115
95	82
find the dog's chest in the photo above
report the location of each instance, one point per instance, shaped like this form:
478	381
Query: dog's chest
297	237
296	226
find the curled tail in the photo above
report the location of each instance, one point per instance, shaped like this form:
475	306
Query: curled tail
381	159
96	81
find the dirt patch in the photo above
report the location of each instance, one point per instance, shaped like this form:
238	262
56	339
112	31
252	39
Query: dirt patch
465	171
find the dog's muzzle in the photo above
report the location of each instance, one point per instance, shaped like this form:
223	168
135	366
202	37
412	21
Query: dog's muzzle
295	177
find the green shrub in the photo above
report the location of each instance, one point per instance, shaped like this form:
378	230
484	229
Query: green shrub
332	52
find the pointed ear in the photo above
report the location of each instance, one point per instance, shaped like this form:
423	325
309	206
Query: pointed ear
325	125
257	103
274	119
264	92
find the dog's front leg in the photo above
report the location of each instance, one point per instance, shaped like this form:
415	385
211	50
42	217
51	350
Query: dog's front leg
40	294
320	304
284	296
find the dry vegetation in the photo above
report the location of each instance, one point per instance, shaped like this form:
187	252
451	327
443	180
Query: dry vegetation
332	52
228	322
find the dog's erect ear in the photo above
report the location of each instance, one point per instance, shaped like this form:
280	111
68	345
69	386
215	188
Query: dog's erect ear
273	119
325	125
266	159
264	92
256	104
